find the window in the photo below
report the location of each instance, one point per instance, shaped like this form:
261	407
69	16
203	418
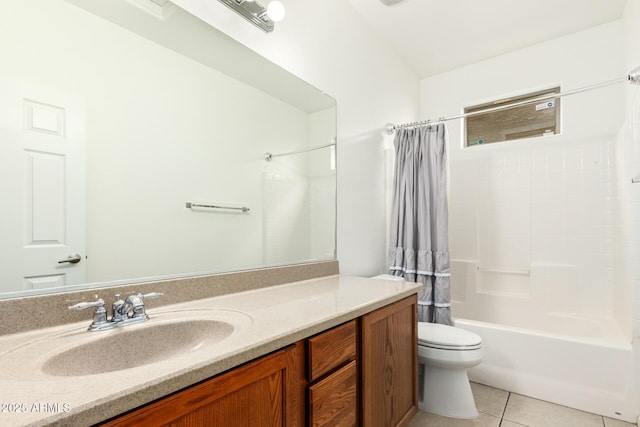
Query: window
525	121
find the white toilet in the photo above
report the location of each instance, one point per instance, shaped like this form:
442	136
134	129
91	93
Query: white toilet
444	355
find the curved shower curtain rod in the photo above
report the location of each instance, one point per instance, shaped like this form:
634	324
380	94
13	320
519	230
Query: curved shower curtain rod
269	156
633	77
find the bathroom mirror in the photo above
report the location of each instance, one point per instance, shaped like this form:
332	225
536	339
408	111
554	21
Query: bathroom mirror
115	116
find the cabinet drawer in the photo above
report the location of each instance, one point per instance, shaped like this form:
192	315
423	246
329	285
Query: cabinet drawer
331	349
333	400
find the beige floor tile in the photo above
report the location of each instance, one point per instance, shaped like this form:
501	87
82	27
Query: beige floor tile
537	413
427	419
610	422
489	400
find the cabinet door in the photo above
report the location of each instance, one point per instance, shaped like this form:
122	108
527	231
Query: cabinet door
265	392
389	364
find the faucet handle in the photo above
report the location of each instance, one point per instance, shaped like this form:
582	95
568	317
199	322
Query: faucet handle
85	305
99	316
152	295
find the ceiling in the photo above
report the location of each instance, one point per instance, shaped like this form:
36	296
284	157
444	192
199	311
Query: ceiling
434	36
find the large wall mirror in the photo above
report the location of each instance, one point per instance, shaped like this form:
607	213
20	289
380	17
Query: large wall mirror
114	115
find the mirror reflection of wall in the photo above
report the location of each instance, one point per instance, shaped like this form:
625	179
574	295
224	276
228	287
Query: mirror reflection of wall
155	129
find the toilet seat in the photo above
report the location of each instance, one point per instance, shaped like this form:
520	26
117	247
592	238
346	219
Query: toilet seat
446	337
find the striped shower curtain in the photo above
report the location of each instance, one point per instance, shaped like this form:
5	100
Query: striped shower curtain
419	247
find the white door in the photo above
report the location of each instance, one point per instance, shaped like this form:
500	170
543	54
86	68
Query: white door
42	166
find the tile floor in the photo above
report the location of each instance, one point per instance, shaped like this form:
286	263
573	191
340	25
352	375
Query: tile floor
499	408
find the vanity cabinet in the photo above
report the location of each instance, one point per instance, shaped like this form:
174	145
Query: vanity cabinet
360	373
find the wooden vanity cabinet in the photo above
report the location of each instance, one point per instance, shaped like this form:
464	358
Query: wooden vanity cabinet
360	373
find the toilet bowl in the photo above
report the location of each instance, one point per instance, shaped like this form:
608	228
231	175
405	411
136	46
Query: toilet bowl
444	355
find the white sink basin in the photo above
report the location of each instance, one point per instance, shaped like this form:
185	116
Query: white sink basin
167	335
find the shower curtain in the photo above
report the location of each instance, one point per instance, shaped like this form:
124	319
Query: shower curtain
419	248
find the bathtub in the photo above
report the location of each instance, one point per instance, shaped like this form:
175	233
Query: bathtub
565	358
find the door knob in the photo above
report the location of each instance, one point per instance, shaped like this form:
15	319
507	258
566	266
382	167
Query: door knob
73	259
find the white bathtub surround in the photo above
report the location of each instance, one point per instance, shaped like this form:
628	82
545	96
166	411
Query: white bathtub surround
539	222
547	275
536	215
538	227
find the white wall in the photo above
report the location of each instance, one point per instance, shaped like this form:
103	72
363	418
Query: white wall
546	204
330	46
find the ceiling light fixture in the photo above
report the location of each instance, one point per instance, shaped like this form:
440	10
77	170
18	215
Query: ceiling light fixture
257	14
275	11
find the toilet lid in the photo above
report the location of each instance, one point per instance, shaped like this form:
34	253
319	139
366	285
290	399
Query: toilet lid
446	337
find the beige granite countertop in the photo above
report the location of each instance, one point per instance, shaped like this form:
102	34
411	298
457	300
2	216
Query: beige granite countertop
277	316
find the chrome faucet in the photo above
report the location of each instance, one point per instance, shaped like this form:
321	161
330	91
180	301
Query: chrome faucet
134	307
123	313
